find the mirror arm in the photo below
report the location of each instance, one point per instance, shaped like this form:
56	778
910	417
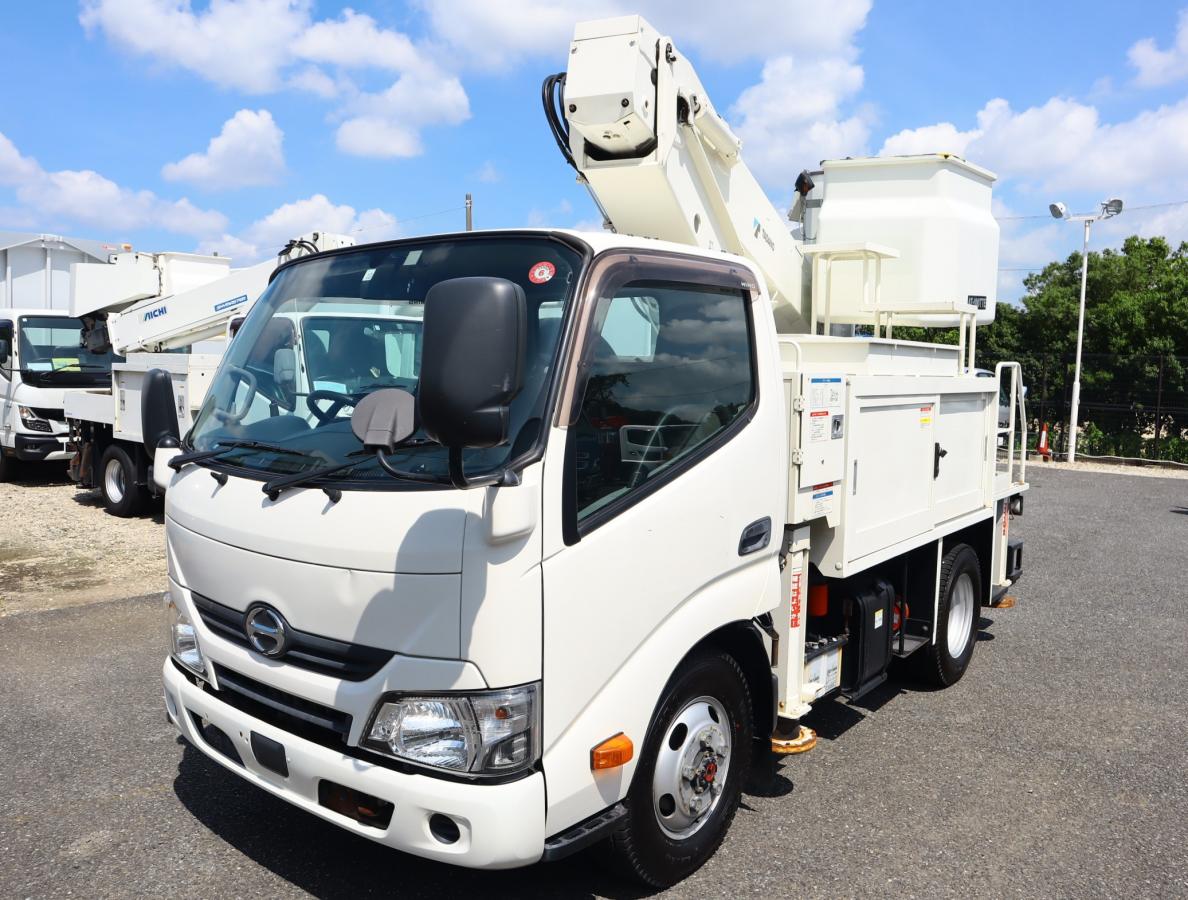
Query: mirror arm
505	477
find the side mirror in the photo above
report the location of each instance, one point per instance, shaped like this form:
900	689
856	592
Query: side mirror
5	343
472	360
158	417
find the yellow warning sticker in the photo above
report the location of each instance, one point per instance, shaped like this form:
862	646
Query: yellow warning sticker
65	364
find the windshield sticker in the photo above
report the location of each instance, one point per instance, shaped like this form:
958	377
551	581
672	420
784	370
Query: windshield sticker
541	272
66	364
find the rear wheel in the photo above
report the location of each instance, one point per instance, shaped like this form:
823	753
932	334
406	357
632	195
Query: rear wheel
689	779
958	611
122	496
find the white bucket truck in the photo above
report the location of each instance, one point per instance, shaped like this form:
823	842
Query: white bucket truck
166	311
540	567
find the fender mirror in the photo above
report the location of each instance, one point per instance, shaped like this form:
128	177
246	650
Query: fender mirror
158	417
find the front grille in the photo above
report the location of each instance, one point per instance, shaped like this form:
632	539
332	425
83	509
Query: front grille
56	415
353	662
296	715
38	425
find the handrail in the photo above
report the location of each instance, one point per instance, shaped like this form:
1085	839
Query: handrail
1018	402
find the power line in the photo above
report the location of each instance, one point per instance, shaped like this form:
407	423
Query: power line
402	220
1125	210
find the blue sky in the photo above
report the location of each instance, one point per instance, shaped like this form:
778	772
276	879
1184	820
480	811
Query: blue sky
376	118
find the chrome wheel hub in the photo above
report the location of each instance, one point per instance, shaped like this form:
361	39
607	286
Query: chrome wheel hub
113	480
961	613
691	767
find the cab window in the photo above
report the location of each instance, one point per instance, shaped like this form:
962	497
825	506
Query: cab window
670	369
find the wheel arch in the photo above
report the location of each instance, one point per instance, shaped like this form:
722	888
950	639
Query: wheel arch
744	642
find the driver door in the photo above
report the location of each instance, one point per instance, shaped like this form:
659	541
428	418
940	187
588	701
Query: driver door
672	451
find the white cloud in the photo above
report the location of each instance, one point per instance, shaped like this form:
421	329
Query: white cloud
942	138
1159	67
262	46
85	197
246	152
234	43
355	41
1063	146
488	173
389	123
267	235
794	116
494	35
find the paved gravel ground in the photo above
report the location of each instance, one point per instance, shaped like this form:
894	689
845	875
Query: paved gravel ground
60	547
1055	768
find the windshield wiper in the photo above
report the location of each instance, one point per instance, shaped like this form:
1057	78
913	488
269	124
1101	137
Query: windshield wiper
226	447
277	486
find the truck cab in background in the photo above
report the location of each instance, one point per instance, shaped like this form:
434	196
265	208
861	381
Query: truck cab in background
42	360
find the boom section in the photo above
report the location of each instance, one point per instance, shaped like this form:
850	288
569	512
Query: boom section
643	134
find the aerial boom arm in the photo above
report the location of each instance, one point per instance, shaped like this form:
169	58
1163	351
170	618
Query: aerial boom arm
661	162
165	301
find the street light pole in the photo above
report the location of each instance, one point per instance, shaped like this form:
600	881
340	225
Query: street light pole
1076	397
1109	209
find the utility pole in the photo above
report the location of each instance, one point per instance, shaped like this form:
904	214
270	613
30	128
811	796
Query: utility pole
469	213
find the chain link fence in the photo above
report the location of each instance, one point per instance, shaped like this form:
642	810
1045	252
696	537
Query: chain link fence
1132	406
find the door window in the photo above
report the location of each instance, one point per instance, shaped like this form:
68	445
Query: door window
670	369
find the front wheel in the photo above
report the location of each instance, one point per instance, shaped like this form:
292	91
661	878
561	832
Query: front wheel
8	467
687	785
122	496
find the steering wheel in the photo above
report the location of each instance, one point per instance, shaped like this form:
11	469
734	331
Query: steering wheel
233	416
337	402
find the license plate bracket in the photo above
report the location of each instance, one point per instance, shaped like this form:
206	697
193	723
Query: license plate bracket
270	754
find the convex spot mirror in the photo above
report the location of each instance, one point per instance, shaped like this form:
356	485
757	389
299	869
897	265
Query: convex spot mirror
472	360
385	419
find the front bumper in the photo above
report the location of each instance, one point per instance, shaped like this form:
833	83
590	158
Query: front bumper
40	448
501	825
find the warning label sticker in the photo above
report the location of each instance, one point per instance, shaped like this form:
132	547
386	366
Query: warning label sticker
925	415
818	425
823	501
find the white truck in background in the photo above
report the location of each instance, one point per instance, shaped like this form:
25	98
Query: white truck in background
640	506
154	310
42	363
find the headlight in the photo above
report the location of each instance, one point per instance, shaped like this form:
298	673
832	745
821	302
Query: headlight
32	421
487	733
183	642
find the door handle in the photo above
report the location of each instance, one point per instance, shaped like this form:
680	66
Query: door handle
938	455
755	536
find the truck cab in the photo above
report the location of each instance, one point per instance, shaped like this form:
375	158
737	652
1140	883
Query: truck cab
42	360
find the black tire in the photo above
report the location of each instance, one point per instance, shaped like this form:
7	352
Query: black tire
8	467
642	847
960	572
122	496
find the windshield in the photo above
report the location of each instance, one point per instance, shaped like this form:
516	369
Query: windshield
50	352
330	330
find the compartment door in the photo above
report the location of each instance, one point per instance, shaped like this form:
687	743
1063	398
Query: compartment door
890	471
960	429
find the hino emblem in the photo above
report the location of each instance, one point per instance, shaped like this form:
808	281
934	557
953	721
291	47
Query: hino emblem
266	631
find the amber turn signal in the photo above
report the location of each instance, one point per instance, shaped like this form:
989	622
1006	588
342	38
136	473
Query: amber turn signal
611	753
